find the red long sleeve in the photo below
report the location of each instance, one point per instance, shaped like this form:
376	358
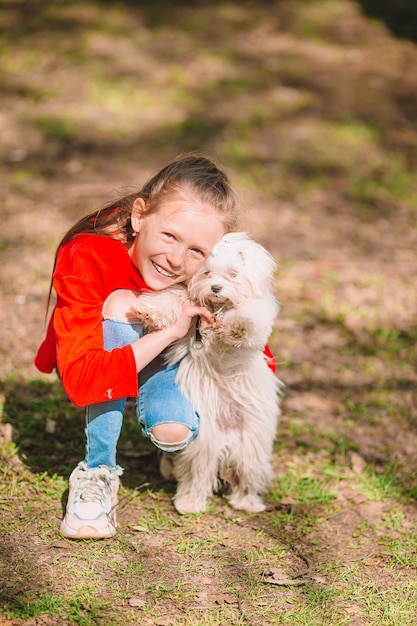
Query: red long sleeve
88	269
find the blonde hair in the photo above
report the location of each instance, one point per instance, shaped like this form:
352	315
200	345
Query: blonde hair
190	173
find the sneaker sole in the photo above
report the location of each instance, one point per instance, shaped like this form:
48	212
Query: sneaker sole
86	532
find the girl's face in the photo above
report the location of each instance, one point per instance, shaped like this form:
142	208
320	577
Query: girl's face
173	240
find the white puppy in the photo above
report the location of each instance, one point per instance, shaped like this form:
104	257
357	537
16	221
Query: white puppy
224	373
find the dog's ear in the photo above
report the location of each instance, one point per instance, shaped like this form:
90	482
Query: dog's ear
260	266
233	237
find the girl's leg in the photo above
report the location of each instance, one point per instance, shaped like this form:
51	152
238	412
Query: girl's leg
103	426
104	420
94	483
166	416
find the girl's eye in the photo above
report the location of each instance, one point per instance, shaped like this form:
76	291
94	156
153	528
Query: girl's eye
198	251
169	235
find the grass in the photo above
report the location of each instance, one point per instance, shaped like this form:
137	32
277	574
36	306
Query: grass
309	479
170	564
102	575
312	110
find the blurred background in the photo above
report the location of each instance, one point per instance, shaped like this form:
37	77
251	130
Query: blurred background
310	105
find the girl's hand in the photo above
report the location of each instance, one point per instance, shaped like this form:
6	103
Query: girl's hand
151	344
189	311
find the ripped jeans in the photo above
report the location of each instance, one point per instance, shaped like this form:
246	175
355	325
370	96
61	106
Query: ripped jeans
160	402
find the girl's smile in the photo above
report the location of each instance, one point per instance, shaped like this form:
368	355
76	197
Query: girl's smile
163	272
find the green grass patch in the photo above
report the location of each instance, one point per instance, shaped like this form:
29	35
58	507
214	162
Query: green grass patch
56	128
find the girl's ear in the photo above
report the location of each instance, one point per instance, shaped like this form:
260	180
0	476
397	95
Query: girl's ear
138	211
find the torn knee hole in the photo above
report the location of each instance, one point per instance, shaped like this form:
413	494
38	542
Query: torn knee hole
171	435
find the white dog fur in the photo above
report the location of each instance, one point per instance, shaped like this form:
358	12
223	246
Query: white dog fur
225	375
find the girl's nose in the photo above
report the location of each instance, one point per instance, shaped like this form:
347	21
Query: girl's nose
176	257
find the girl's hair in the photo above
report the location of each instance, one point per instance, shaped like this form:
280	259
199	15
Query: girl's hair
193	173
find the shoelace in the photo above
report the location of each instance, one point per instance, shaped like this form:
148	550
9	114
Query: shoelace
93	489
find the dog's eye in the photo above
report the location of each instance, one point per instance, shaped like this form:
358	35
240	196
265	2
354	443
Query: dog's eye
233	273
206	273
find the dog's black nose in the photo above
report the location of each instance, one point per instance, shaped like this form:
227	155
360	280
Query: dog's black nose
216	288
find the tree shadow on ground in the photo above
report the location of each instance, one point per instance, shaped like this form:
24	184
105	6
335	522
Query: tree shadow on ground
400	16
213	108
20	575
49	433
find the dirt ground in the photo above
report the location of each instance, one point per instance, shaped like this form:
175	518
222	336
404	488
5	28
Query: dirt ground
346	279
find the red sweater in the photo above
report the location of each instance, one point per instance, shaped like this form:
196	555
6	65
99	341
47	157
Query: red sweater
88	269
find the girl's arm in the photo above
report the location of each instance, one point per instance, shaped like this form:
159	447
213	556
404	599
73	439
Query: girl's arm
149	346
120	305
89	373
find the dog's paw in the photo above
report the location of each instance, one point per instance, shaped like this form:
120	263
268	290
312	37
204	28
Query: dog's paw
161	308
248	502
144	318
237	331
190	504
153	319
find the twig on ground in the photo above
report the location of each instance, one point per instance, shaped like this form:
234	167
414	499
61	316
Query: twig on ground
299	578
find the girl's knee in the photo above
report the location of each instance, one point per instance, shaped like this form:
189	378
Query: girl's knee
170	435
120	305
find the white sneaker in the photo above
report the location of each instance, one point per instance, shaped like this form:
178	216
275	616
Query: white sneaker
92	502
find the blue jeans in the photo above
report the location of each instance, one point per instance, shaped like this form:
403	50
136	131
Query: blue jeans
160	401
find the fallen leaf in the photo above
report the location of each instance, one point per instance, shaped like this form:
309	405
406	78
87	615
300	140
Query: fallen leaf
277	576
275	572
379	560
319	580
137	601
201	596
352	610
225	598
288	500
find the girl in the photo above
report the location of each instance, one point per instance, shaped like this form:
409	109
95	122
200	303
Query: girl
149	240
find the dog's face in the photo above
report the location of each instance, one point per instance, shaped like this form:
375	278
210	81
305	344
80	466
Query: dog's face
238	268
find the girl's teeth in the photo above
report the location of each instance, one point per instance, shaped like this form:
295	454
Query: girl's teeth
163	272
